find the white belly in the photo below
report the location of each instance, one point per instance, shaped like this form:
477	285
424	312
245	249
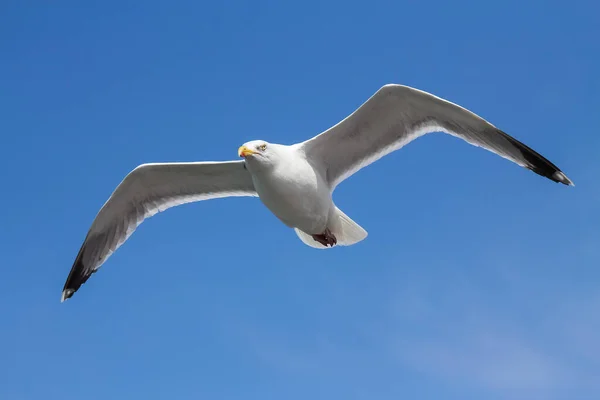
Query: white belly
300	200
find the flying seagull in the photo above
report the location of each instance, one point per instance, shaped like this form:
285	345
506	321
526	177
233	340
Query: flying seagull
296	182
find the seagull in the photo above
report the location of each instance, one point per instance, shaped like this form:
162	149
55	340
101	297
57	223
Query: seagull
296	182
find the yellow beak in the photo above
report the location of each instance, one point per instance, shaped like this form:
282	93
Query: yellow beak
243	151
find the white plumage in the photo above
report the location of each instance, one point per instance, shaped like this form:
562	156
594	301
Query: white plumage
296	182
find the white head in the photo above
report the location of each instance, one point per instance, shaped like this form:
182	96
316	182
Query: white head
259	153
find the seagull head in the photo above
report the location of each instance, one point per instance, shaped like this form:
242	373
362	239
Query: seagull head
257	152
253	148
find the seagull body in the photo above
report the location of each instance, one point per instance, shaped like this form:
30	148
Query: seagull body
289	187
296	182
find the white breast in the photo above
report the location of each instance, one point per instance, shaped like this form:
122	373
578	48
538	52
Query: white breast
295	193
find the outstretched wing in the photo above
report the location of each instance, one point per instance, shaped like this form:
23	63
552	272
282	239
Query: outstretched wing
395	116
148	189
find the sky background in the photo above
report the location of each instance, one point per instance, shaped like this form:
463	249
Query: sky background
478	279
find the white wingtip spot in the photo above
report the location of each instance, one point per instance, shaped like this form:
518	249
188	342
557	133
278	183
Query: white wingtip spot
561	177
63	297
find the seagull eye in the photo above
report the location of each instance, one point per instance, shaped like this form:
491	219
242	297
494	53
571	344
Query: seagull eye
262	147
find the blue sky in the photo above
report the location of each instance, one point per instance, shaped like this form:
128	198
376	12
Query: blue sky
479	279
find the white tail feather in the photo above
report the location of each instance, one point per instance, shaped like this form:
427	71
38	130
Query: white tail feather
347	232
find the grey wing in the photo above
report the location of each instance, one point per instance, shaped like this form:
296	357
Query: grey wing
148	189
396	115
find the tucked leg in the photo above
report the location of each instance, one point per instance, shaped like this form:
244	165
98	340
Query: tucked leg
326	238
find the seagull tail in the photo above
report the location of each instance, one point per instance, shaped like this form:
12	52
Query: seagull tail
346	231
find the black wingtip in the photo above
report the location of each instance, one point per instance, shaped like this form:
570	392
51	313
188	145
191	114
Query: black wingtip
545	168
539	164
78	276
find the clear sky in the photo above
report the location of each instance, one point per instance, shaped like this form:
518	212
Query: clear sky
478	279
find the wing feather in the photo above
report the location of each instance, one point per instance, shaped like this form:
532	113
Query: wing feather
148	189
396	115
